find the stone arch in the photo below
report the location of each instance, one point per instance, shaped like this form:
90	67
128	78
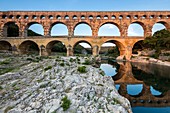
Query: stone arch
11	29
85	24
112	24
138	46
55	46
163	23
138	27
81	47
5	46
62	25
138	90
30	24
29	47
120	46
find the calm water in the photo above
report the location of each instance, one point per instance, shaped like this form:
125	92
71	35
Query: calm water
147	86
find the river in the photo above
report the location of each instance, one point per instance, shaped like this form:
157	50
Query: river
147	86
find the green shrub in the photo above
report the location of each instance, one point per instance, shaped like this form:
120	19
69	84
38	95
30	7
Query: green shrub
62	64
1	88
8	108
47	68
82	69
65	103
86	62
71	60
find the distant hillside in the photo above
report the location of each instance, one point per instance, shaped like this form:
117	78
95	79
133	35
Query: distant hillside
32	33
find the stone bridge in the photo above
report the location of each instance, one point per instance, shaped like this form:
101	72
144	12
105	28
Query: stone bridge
94	19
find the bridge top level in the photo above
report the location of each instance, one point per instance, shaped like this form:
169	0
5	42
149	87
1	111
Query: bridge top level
85	14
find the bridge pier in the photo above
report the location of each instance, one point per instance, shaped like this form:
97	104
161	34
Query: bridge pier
95	50
43	51
128	52
69	50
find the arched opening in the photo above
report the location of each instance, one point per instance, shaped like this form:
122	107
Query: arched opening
135	29
34	29
158	26
112	48
29	47
138	46
82	29
56	48
134	89
59	29
155	92
82	48
5	46
11	29
109	29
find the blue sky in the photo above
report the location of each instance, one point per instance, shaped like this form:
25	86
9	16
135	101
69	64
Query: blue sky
87	5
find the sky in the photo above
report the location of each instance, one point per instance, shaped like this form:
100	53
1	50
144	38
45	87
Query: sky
88	5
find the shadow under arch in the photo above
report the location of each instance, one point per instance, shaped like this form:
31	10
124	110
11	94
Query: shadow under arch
137	47
78	49
28	32
29	47
10	29
5	46
56	46
89	27
57	23
120	46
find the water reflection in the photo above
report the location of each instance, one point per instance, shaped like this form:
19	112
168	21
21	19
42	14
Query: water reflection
108	69
145	85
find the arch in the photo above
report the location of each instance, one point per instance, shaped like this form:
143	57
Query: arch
29	47
159	26
34	29
120	46
5	46
10	29
83	29
66	17
155	92
50	17
136	29
134	89
58	29
56	46
138	46
82	47
109	29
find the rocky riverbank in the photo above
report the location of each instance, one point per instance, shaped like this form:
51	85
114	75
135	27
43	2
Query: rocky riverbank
148	60
58	86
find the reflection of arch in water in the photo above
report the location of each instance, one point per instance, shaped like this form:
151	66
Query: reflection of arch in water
120	73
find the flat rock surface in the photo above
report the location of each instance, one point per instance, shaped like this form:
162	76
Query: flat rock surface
40	87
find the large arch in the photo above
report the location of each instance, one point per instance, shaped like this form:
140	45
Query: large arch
29	47
34	29
159	26
109	29
138	46
120	46
136	29
56	46
58	29
5	46
82	47
82	29
10	29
